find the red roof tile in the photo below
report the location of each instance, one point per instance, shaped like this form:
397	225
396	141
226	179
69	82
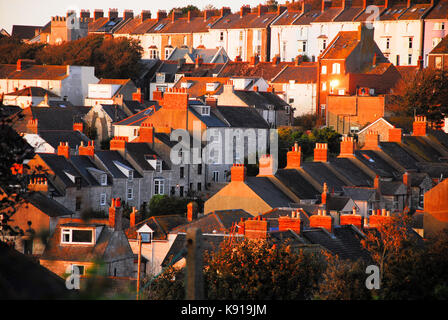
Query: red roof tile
306	73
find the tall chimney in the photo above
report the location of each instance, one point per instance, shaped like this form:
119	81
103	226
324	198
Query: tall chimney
372	141
146	132
98	13
419	126
64	149
134	218
192	211
322	220
347	148
32	126
294	157
354	219
256	228
88	150
113	13
266	166
137	96
78	126
238	173
118	143
395	135
321	152
115	214
293	223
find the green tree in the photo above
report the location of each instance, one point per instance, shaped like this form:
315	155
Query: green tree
12	49
424	93
163	205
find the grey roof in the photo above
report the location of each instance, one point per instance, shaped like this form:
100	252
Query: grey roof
135	106
47	205
207	55
165	139
376	163
321	173
440	136
210	121
54	137
61	166
56	118
294	181
60	103
434	170
391	188
138	118
108	157
82	163
139	153
359	194
242	117
423	148
261	100
267	191
396	152
351	171
114	111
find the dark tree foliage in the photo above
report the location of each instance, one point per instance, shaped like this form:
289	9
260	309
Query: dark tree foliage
160	205
184	10
112	58
424	93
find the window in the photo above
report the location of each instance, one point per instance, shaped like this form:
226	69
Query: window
182	172
168	52
103	199
215	176
78	202
221	36
153	54
191	187
131	175
173	191
410	43
324	70
387	43
104	179
303	46
336	68
410	59
146	237
438	63
159	166
241	35
386	28
291	100
200	168
181	191
324	44
397	61
199	186
439	26
205	111
159	186
324	86
77	236
130	193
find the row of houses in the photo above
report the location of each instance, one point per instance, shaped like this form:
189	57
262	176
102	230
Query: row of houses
405	31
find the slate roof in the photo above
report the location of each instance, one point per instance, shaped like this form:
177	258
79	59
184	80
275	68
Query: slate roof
440	11
307	17
391	188
47	205
181	25
139	153
273	215
438	135
423	148
288	18
82	163
267	191
115	112
32	92
137	119
23	278
242	117
161	225
328	15
207	55
433	169
198	85
416	11
25	32
295	182
328	241
351	171
43	72
322	174
376	163
360	194
265	70
219	221
261	100
249	20
400	155
342	45
60	166
54	137
107	158
210	121
349	14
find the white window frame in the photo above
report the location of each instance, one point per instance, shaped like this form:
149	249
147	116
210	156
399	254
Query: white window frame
130	195
69	231
159	186
103	199
104	179
336	68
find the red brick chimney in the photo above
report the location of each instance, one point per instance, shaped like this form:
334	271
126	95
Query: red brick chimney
376	183
134	218
192	211
238	173
146	133
78	126
322	220
321	152
262	9
276	59
407	180
145	15
244	10
294	157
325	5
208	14
266	166
293	223
115	214
84	13
354	219
419	126
395	135
254	60
113	13
32	126
379	219
98	13
161	14
281	9
38	184
347	148
137	96
225	11
64	149
256	228
211	101
198	61
175	98
324	195
118	143
128	14
371	141
88	150
157	96
240	227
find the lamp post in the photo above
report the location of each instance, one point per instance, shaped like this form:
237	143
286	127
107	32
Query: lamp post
139	263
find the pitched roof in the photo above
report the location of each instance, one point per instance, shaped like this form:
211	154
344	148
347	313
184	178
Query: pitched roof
423	148
115	112
84	164
63	169
273	215
32	92
219	221
268	192
295	182
307	17
109	158
242	117
265	70
121	82
39	72
54	137
47	205
360	193
249	20
400	155
377	164
25	32
140	152
161	225
197	86
182	25
288	18
416	11
138	118
216	55
351	171
304	73
441	48
342	45
322	174
440	11
261	100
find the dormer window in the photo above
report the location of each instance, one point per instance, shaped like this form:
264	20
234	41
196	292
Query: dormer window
205	110
159	166
104	179
77	236
211	86
146	233
131	175
160	77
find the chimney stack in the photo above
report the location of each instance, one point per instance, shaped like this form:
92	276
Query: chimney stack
211	101
294	157
321	152
88	150
225	11
298	60
244	10
137	96
198	61
266	166
354	219
322	220
146	133
32	126
262	9
78	126
98	13
38	185
347	148
118	143
293	223
378	219
161	14
238	173
256	228
84	13
64	149
113	13
325	5
128	14
192	211
395	135
145	15
419	126
115	214
134	218
407	180
254	60
372	141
